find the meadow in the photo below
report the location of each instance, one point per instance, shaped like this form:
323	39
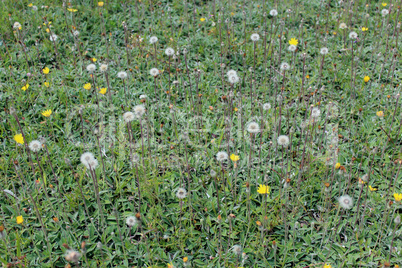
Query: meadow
232	133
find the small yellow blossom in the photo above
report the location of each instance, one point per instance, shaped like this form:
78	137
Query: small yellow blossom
366	78
47	84
19	139
100	4
337	165
169	265
30	5
48	30
103	91
47	113
372	189
20	219
263	189
293	41
384	4
72	9
185	259
94	59
87	86
398	197
236	109
361	181
202	19
364	29
327	265
24	88
45	70
231	14
234	157
380	113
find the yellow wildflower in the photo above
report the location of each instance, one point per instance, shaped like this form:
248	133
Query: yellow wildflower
45	70
24	88
47	84
366	78
185	259
398	197
337	165
20	219
380	113
293	41
87	86
384	4
202	19
19	139
364	29
235	109
30	5
103	91
372	189
327	265
94	59
234	157
48	30
72	9
47	113
100	4
170	265
263	189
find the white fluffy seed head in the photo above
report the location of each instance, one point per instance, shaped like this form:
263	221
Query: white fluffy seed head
154	72
353	35
86	158
237	250
253	127
221	156
292	48
131	221
324	51
266	106
122	75
153	40
103	68
35	146
233	79
72	256
91	68
343	26
283	140
93	164
273	13
315	112
139	110
53	37
231	72
128	117
16	25
345	202
384	12
181	193
169	51
143	96
255	37
285	66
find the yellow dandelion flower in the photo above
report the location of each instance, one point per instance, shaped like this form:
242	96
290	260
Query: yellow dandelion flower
202	19
337	165
100	4
94	59
48	30
366	78
380	113
263	189
235	109
87	86
398	197
47	84
30	5
20	219
47	113
293	41
46	70
103	91
372	189
72	9
364	29
234	157
19	138
327	265
384	4
185	259
169	265
24	88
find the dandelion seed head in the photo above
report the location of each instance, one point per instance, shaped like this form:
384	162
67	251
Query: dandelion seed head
153	39
253	127
324	51
53	37
315	112
233	79
143	96
86	158
35	146
345	202
353	35
221	156
181	193
273	13
103	68
154	72
122	75
266	106
384	12
292	48
169	51
231	72
285	66
343	26
255	37
128	117
72	256
283	140
91	68
131	221
17	25
237	250
139	110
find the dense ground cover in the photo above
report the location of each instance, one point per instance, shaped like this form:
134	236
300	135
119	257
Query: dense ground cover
200	134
